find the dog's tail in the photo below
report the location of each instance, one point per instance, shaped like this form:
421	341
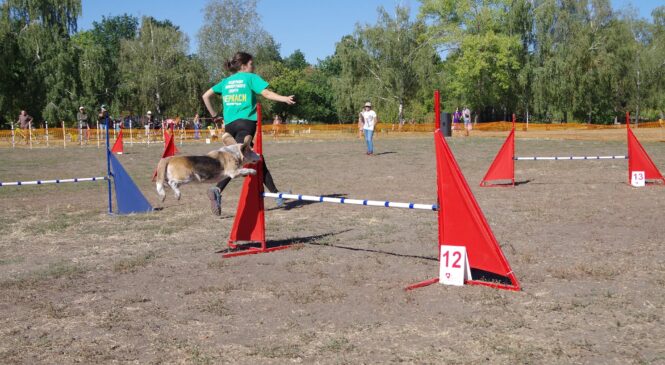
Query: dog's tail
161	176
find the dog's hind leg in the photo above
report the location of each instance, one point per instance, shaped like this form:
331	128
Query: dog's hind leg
174	185
160	190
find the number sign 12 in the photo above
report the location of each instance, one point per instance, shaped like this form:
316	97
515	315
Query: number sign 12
454	265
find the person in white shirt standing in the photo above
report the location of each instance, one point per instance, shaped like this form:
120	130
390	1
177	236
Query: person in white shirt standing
466	115
369	120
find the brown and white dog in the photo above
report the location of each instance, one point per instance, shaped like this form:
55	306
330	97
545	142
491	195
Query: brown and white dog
212	167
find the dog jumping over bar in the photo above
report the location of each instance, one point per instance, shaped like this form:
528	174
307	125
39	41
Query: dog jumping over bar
212	167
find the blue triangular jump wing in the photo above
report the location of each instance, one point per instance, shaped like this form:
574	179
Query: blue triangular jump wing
127	195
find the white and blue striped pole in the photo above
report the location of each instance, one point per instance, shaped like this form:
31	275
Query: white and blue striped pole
55	181
563	158
108	165
373	203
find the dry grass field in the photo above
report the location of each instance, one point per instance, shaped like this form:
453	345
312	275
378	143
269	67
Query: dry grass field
80	286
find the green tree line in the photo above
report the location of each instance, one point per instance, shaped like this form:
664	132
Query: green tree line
554	60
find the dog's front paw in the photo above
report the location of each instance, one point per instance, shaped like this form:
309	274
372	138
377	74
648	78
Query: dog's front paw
245	172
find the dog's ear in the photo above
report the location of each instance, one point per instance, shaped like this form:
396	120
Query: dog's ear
228	140
247	143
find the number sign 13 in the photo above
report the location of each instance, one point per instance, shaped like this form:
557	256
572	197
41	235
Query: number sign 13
454	265
637	179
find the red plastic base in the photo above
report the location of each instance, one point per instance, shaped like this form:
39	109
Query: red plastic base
422	284
485	184
252	250
468	282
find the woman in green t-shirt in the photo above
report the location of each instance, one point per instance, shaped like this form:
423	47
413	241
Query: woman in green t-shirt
238	93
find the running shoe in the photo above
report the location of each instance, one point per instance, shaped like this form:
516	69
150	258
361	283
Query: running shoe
280	201
215	196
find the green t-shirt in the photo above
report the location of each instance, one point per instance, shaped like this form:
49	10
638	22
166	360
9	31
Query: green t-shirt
238	93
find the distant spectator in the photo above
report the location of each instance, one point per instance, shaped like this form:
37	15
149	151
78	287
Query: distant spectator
82	118
102	116
369	119
466	115
197	126
457	116
149	122
124	121
400	115
24	120
276	125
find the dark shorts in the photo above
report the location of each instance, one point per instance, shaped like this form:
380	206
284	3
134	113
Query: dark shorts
240	128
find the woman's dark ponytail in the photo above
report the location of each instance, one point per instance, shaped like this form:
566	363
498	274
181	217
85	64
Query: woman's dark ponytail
239	59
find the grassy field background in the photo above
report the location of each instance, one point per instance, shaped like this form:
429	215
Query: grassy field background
80	286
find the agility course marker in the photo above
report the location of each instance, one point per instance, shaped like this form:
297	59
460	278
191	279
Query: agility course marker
462	223
169	150
454	266
118	147
637	179
169	137
250	222
639	158
503	166
56	181
437	110
11	125
468	227
128	196
372	203
64	135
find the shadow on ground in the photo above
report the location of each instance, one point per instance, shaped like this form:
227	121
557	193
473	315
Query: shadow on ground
294	204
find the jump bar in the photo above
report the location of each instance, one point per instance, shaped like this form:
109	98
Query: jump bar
56	181
373	203
557	158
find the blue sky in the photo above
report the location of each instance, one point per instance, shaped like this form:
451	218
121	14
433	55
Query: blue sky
313	26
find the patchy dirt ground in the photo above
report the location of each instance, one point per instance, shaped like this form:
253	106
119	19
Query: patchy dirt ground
80	286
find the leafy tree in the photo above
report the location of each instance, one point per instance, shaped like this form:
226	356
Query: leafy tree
93	66
231	26
654	64
312	91
296	61
12	88
350	90
520	21
581	67
483	56
38	31
389	64
268	51
156	73
330	66
109	34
